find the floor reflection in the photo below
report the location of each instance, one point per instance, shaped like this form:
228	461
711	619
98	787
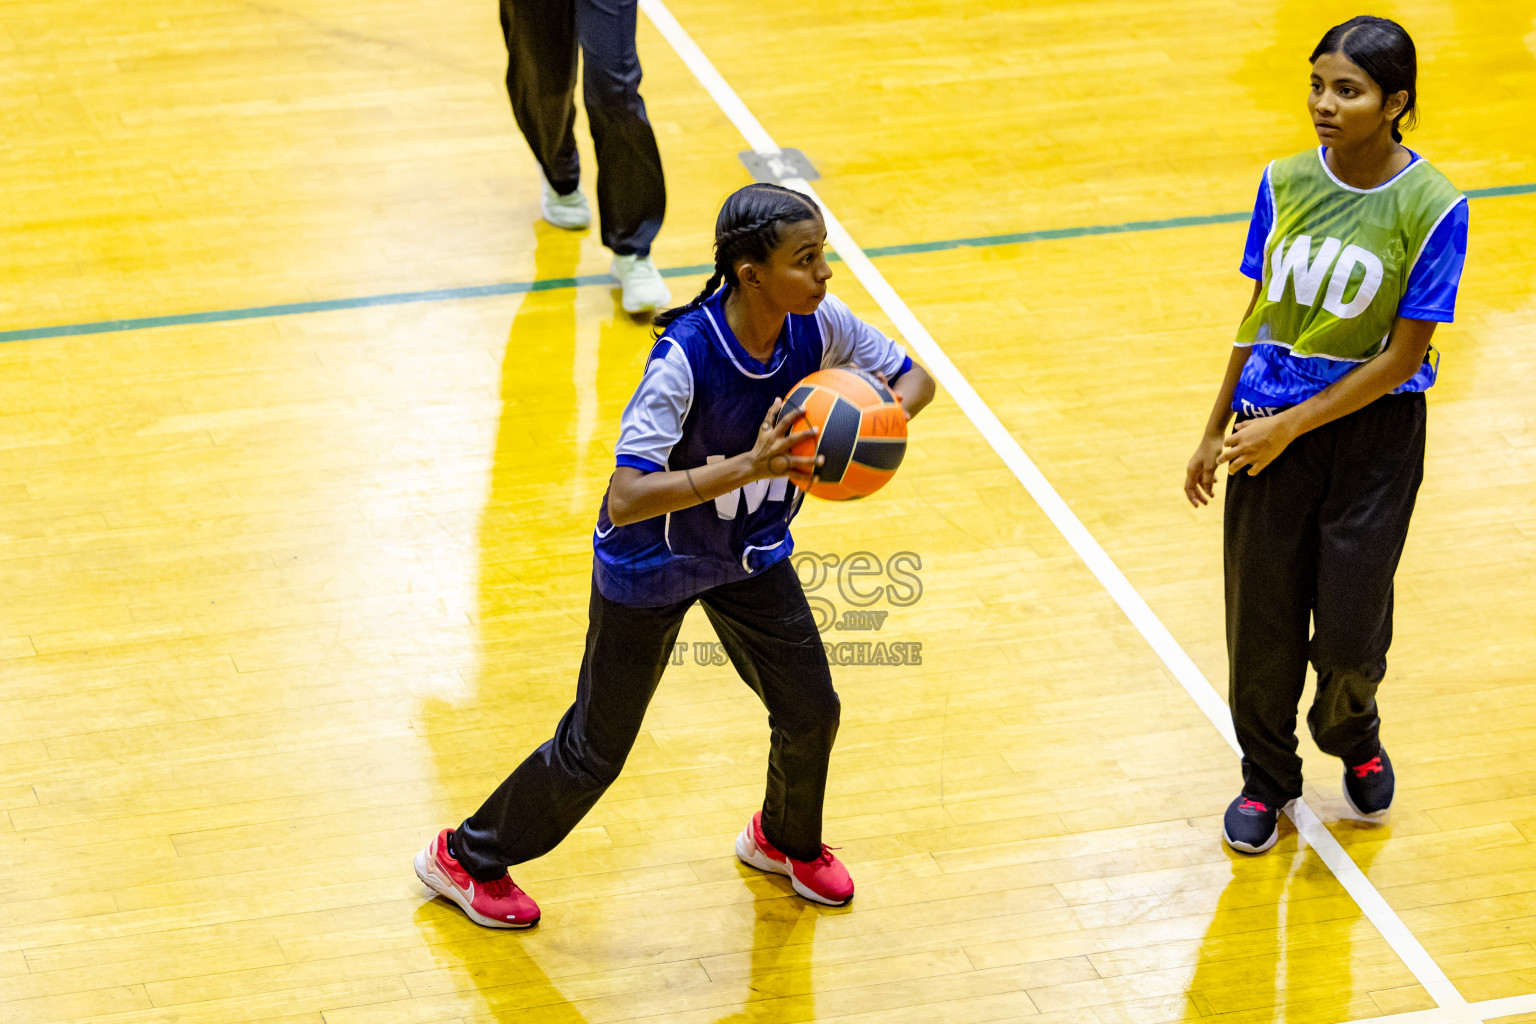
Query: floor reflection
779	981
571	361
497	973
484	975
1284	938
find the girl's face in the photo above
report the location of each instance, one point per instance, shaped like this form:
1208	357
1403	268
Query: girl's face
796	274
1346	104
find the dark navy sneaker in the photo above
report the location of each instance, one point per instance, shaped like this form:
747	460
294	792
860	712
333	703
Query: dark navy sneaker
1251	826
1369	786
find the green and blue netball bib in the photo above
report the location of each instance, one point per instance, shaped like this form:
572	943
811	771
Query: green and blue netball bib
1337	265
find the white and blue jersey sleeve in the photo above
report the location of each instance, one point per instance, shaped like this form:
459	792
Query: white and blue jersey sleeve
849	341
1432	282
653	421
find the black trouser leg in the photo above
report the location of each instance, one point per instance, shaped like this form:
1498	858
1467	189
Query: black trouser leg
631	193
770	634
541	83
1321	531
1378	464
552	790
1270	547
1343	716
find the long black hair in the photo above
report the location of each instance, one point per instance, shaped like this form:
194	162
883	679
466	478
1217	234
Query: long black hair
1383	50
748	228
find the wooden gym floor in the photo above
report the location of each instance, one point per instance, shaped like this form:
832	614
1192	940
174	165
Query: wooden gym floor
304	418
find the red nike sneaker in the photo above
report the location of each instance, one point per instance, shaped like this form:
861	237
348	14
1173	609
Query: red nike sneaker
824	879
498	904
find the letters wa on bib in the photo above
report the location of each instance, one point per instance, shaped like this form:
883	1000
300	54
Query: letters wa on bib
1338	264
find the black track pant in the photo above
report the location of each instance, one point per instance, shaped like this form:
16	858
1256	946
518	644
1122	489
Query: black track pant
542	41
1317	534
767	629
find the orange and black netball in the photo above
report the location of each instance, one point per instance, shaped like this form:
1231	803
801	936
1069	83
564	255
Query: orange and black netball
862	435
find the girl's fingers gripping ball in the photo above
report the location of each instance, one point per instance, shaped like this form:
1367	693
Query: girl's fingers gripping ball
772	413
861	432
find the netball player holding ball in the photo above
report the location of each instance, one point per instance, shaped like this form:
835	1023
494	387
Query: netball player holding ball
698	510
1356	248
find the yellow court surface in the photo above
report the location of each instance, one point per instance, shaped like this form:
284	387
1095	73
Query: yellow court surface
305	415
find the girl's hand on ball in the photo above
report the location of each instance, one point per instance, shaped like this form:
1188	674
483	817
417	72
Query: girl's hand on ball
771	454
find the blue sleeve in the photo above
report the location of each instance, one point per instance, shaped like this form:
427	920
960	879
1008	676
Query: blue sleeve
1259	226
1432	283
643	465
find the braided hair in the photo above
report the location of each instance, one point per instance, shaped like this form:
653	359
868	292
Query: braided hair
748	228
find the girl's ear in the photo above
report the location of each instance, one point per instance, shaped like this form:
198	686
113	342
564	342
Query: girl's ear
1395	104
749	274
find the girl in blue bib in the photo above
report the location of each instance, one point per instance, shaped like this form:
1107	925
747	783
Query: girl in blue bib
698	511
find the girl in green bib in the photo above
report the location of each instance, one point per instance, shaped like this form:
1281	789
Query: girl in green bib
1356	250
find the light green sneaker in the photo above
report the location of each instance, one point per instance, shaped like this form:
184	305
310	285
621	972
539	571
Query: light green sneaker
570	211
644	290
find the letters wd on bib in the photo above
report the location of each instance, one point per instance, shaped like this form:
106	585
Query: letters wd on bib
1338	265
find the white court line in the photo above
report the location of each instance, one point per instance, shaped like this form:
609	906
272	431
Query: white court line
1505	1007
1485	1011
1452	1007
1435	1016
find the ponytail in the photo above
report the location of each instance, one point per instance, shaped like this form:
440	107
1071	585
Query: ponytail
747	228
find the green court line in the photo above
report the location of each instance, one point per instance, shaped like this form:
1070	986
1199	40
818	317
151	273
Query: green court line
1052	234
552	284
